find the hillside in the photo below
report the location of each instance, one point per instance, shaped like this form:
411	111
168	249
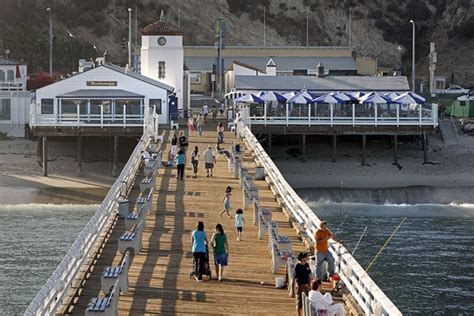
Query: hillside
378	28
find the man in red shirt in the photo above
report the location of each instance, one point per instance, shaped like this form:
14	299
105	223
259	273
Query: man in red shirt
322	235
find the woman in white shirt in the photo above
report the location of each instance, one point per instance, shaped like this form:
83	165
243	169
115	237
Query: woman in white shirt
324	302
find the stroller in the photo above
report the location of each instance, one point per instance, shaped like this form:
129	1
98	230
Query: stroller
206	268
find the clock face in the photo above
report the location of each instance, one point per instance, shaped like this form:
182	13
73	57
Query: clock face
161	41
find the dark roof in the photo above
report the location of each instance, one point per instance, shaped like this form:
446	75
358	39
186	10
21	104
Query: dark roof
100	93
282	63
161	28
322	84
138	76
245	66
4	61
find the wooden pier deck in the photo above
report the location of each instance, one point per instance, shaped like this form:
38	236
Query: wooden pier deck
159	275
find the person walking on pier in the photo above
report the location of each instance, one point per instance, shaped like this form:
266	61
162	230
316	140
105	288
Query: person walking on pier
302	280
322	236
209	160
205	111
239	223
199	242
195	160
220	133
226	201
221	251
174	145
182	141
180	162
200	124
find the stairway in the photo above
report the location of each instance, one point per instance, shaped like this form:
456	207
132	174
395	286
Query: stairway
448	132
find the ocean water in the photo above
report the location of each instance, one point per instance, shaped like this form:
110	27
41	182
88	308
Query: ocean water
34	238
428	266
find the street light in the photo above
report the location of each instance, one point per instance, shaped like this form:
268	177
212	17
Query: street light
129	37
413	57
50	42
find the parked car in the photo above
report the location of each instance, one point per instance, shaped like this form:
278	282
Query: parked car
455	89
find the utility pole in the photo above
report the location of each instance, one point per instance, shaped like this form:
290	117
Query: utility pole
136	26
413	57
307	25
50	42
129	37
433	60
264	31
179	17
349	27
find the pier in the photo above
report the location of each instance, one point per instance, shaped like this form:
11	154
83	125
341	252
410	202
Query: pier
158	275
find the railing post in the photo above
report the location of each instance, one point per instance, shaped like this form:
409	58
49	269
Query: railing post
101	115
124	115
265	113
421	110
434	113
309	114
331	110
398	114
353	114
375	112
78	114
286	113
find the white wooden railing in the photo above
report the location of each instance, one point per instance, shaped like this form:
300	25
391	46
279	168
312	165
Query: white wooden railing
367	294
55	292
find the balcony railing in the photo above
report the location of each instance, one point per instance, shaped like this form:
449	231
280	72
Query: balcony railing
348	115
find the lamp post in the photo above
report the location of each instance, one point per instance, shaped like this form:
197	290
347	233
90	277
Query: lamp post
129	37
50	42
413	57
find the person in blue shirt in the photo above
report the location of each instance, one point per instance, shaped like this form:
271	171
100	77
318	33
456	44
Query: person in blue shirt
199	242
180	162
239	223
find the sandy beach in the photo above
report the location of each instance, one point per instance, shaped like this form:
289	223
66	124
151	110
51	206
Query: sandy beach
453	166
21	180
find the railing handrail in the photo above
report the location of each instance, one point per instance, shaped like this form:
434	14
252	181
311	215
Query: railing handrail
364	290
52	295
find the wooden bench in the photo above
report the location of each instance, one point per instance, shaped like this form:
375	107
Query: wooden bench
151	166
144	202
147	183
131	239
107	306
112	274
264	217
283	242
134	218
280	257
249	192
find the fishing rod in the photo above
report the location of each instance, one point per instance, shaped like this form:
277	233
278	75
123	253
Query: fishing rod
358	242
384	245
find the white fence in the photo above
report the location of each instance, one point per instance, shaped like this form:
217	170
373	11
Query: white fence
367	294
56	291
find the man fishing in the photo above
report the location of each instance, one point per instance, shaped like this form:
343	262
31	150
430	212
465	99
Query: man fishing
322	235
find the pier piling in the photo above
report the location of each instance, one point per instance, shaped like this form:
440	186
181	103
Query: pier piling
115	159
303	144
45	156
395	149
364	141
79	155
334	147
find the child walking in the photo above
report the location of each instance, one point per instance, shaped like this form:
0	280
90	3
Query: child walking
239	223
226	201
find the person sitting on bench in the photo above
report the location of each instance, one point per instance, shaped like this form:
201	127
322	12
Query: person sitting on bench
324	302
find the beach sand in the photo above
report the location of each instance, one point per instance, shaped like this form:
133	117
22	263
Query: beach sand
453	166
21	180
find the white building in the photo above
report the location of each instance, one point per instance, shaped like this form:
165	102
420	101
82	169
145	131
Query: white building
162	56
14	98
106	96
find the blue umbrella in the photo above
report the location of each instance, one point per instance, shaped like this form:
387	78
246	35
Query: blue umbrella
272	96
411	96
288	95
406	98
300	99
358	95
327	98
343	96
375	98
250	98
261	93
392	95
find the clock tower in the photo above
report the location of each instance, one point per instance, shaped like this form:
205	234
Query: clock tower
162	55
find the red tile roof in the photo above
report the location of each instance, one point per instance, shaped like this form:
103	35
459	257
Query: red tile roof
161	28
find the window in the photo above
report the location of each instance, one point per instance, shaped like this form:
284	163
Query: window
10	75
161	70
2	75
5	113
47	106
195	77
157	104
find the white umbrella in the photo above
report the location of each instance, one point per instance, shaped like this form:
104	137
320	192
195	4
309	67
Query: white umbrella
466	98
249	98
406	98
342	96
300	99
306	94
272	96
392	95
288	95
327	98
375	98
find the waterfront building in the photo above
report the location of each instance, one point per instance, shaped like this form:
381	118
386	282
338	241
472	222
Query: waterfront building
14	98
